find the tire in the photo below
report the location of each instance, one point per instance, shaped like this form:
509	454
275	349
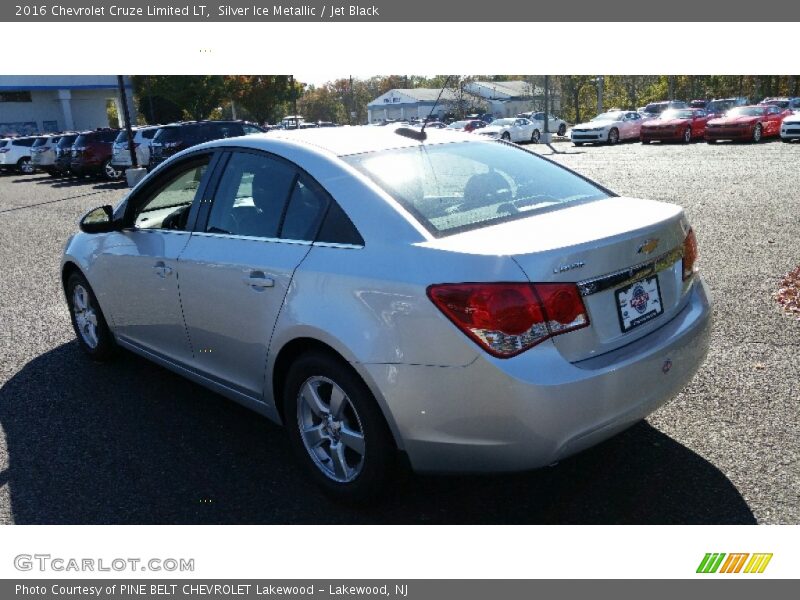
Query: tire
687	135
25	166
535	136
613	136
110	172
786	140
90	325
757	133
506	136
645	142
355	472
577	143
711	141
562	130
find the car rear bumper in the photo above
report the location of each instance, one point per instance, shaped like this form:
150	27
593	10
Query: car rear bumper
537	408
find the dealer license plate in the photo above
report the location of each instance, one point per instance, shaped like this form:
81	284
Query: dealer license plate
639	303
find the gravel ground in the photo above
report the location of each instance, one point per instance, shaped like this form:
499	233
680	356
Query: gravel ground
129	442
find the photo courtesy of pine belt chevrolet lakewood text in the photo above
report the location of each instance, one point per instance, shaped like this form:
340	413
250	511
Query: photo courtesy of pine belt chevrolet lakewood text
397	298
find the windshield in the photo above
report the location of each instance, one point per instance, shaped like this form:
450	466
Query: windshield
502	122
458	125
746	111
609	116
460	186
676	114
778	103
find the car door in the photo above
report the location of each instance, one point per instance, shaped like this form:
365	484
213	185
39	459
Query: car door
774	118
699	124
523	129
136	268
238	265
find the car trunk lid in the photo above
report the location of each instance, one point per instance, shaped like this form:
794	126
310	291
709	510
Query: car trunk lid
604	246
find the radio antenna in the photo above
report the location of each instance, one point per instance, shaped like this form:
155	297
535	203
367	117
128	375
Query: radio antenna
433	108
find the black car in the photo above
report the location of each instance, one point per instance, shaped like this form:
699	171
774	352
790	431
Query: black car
171	139
63	155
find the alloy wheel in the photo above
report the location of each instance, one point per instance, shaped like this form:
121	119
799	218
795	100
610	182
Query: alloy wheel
330	429
687	135
613	136
85	316
111	172
757	133
26	166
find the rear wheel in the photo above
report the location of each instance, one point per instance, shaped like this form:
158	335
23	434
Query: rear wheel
536	136
506	136
562	130
88	321
711	141
687	135
337	429
645	141
613	136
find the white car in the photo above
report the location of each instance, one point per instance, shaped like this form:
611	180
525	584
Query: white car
555	125
15	155
609	128
142	139
790	128
43	152
514	129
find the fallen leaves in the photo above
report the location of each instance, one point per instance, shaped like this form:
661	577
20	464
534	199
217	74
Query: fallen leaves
788	295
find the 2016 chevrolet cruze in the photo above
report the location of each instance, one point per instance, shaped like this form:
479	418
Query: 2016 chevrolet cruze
463	303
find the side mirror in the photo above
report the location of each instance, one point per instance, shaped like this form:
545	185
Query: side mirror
98	220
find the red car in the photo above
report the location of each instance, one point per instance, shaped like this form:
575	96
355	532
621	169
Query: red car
469	125
676	125
747	123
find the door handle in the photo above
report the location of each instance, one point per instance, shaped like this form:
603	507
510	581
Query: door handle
258	280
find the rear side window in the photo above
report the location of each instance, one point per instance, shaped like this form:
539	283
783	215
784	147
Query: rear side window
167	134
338	228
3	143
107	136
305	211
251	196
460	186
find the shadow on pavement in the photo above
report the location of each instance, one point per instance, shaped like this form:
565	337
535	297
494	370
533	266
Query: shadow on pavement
129	442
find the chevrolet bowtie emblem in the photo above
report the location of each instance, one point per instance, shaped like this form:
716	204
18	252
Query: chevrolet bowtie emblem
648	246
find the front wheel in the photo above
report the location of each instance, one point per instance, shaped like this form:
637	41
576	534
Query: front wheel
687	135
88	321
711	141
536	136
506	136
757	133
613	136
110	171
25	166
337	429
562	130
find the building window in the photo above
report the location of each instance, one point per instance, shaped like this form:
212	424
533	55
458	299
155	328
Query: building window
15	97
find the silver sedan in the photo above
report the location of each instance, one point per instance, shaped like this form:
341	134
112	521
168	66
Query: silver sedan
397	297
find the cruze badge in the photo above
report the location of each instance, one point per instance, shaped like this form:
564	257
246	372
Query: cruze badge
569	267
648	246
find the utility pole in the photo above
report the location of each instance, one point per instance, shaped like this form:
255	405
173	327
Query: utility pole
599	82
127	115
547	109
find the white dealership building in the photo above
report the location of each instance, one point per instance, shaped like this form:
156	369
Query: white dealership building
50	103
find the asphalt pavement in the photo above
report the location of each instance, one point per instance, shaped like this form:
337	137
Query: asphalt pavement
129	442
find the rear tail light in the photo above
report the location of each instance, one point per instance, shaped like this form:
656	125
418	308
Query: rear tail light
506	319
689	255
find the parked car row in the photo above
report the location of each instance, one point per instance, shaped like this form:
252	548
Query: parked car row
725	119
105	153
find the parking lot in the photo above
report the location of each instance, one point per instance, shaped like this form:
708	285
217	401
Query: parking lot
129	442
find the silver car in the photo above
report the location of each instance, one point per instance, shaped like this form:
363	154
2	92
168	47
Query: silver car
455	304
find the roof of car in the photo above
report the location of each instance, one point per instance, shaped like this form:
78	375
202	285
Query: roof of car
343	141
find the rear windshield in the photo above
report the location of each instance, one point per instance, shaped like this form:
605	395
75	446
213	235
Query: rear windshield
66	141
122	137
455	187
40	142
167	134
81	140
149	133
655	108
